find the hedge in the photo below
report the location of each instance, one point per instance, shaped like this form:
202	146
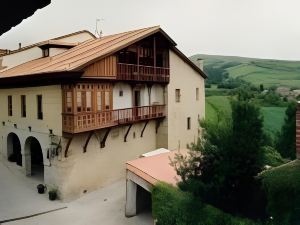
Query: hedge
282	187
171	206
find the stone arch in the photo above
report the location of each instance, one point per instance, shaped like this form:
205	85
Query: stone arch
34	160
14	149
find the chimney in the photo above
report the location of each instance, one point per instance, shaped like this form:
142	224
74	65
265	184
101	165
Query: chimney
298	131
20	45
200	63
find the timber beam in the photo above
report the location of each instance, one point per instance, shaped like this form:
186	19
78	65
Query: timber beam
142	133
127	132
102	143
87	141
68	145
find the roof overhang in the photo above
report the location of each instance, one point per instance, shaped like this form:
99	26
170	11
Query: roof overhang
14	11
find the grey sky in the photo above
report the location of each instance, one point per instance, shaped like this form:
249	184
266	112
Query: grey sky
253	28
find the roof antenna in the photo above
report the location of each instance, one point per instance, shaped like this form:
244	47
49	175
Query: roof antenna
98	31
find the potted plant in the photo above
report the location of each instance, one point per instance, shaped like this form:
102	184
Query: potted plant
41	188
52	194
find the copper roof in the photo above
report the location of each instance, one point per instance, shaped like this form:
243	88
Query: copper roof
55	40
156	168
86	53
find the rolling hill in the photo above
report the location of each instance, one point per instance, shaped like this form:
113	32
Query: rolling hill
256	71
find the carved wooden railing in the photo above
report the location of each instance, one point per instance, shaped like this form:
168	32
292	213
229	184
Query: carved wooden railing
135	72
81	122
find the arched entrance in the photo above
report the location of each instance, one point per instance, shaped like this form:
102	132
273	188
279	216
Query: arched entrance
14	149
34	158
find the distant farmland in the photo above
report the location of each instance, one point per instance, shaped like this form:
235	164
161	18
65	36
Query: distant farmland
273	116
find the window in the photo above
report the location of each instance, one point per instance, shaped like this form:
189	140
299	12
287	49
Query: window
23	106
88	96
189	123
46	52
120	93
79	102
177	95
39	107
99	101
69	101
197	94
107	100
9	104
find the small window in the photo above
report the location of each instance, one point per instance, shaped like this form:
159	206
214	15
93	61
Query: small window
23	106
9	104
177	95
197	94
88	101
46	52
99	101
107	100
40	107
69	101
120	93
189	123
79	102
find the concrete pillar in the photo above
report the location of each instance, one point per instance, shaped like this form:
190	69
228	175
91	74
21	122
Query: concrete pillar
131	190
298	131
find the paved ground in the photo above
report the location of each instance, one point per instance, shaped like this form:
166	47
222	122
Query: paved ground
18	198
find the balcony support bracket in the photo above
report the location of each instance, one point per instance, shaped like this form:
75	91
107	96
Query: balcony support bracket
102	143
68	146
127	132
158	122
142	133
87	141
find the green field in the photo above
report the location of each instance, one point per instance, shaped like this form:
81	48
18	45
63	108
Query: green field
257	71
273	116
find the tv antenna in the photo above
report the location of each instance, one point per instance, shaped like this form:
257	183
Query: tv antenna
98	31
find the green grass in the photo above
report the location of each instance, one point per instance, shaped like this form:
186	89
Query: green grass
217	105
273	116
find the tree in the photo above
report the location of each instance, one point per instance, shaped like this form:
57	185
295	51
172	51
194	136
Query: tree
286	139
261	87
222	165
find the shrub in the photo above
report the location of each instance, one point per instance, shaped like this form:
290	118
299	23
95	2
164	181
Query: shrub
282	187
174	207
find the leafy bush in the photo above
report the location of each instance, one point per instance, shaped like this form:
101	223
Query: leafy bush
174	207
282	187
272	157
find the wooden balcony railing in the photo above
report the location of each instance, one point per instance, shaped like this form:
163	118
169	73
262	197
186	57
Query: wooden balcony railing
76	123
142	73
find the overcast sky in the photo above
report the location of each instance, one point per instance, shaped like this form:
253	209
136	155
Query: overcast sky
252	28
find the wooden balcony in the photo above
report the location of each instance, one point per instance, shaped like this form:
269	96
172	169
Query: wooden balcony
82	122
133	72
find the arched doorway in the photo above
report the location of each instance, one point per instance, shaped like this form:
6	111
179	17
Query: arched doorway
14	149
34	158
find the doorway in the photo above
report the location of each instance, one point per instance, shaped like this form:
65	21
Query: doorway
14	149
34	158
